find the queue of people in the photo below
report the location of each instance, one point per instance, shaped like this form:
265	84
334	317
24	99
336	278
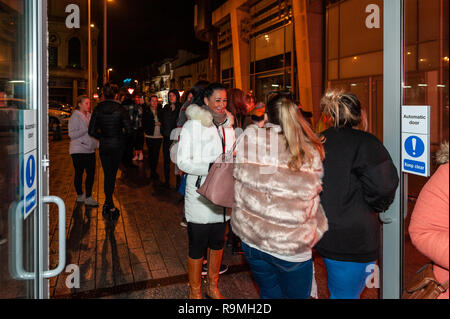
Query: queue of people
301	192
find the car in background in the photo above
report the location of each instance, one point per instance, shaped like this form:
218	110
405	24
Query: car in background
58	119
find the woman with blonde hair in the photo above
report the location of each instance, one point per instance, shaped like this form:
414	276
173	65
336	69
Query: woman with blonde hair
82	150
360	181
277	211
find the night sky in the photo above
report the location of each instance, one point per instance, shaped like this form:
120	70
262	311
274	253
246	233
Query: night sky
141	32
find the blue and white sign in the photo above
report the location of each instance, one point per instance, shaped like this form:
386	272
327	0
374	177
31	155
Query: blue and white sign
29	162
30	184
416	140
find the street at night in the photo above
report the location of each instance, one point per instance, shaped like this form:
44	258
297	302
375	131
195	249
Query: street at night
255	151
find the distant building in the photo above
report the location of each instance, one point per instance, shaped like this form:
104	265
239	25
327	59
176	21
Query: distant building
188	68
68	53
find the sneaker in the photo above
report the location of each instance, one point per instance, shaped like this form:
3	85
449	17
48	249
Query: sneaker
135	158
91	202
223	269
81	198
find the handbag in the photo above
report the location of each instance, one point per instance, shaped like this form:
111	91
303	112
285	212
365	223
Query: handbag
424	285
219	184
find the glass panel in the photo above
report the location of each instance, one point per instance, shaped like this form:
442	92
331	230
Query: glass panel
16	91
426	83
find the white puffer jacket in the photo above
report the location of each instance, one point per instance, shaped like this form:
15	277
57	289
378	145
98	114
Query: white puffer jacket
200	145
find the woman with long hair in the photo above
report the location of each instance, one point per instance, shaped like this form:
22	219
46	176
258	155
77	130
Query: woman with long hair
82	150
277	212
360	181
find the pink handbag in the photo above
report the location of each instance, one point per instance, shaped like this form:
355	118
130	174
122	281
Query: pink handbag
219	184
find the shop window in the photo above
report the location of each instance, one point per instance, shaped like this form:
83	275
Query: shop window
75	53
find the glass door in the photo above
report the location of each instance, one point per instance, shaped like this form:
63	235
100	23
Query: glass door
23	145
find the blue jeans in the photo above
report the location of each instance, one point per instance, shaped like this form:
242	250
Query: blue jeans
346	280
277	278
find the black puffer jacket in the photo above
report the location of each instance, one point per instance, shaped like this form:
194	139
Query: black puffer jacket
360	180
110	124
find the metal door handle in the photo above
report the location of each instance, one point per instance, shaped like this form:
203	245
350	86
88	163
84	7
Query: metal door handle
16	263
61	234
384	219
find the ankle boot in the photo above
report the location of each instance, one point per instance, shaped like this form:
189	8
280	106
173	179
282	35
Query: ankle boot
195	278
214	262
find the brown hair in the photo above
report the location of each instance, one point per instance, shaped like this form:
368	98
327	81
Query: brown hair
80	100
296	130
236	102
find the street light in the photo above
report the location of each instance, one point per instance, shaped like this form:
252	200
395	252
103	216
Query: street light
105	40
109	70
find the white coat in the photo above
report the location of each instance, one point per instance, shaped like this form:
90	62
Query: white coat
200	145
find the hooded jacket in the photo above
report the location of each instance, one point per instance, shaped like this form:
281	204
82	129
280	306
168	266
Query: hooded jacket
200	145
110	124
276	210
429	229
80	141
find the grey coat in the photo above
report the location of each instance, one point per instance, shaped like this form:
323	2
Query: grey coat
81	142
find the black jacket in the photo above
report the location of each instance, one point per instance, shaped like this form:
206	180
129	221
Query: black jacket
169	119
360	180
110	124
148	120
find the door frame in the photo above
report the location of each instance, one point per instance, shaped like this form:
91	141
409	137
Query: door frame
41	80
392	242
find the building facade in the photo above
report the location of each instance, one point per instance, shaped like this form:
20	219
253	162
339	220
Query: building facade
68	53
308	46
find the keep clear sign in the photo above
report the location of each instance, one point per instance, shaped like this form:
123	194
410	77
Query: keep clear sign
416	140
29	161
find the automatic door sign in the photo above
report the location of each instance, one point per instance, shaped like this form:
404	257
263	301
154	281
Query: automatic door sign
416	140
30	189
416	154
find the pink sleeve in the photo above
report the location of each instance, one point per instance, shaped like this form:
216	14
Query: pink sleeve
430	219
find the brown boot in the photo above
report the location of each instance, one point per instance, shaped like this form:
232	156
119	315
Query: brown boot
214	262
195	278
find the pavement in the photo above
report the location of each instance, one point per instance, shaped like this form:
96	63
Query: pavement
143	254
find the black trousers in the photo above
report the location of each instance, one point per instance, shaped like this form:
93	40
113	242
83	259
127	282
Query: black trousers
139	140
166	152
128	152
204	236
154	149
111	159
81	163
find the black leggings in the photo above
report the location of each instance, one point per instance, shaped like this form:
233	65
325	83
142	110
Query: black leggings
81	163
167	142
110	161
204	236
154	148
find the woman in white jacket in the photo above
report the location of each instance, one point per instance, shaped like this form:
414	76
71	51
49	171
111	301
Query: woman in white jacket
205	136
